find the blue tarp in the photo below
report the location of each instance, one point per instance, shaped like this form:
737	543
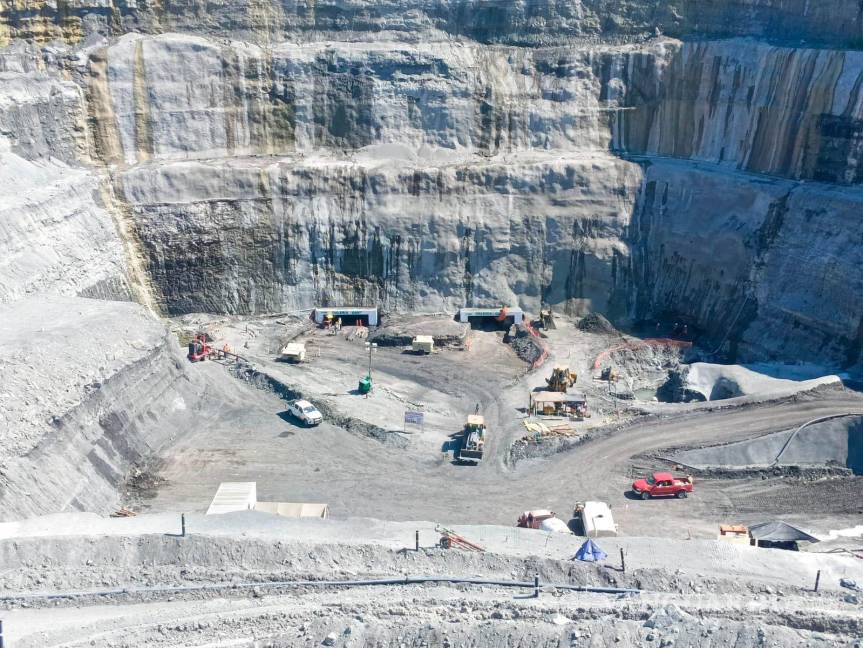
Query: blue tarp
589	552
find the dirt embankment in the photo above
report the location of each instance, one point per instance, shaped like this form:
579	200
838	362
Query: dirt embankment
201	587
263	380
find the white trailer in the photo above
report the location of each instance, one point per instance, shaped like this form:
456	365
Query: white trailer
293	352
596	519
423	344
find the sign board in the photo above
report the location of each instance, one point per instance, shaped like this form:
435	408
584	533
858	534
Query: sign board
414	417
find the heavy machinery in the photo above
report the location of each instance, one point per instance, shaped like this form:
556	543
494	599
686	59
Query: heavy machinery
546	319
561	379
473	440
609	374
199	348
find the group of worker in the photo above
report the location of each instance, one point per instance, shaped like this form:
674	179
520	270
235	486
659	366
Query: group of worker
680	330
333	326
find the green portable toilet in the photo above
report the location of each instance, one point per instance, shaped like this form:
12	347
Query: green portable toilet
365	384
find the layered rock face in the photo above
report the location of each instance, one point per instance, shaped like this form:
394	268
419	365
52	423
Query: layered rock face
764	266
89	388
838	23
254	236
779	111
270	156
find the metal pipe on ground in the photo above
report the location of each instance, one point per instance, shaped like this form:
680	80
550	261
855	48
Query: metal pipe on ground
403	580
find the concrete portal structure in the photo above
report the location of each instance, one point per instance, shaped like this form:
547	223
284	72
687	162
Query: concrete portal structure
465	314
348	314
234	496
295	509
243	496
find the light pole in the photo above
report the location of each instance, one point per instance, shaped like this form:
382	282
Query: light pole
371	346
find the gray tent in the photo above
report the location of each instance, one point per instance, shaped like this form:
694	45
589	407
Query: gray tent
779	533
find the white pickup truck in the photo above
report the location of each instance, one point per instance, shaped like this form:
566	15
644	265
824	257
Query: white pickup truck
305	412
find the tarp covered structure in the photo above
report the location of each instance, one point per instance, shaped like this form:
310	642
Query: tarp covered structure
575	398
590	552
779	532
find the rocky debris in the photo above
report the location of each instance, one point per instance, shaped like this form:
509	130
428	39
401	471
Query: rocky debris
537	446
596	323
401	330
849	583
527	346
141	482
676	390
668	617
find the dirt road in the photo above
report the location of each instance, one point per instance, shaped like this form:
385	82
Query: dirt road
247	438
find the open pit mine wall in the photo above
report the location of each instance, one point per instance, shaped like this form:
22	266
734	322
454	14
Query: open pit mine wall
838	23
60	231
713	181
428	172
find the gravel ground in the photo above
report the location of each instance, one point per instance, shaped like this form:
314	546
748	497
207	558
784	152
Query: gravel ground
247	437
698	593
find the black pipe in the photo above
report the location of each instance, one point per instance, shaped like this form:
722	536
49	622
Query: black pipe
405	580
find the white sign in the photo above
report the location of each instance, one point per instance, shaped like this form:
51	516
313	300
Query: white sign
414	417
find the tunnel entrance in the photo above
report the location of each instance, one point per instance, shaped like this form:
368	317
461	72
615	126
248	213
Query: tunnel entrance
490	319
350	315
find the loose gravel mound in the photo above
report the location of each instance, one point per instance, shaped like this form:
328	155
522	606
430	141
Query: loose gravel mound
401	330
526	346
596	323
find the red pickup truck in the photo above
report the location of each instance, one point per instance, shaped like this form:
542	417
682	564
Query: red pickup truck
662	484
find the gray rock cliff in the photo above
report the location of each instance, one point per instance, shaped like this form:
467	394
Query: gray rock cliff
265	156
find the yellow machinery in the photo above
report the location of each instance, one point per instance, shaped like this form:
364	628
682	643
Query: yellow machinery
561	379
473	440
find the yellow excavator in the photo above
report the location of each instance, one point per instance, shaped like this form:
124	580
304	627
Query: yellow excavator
561	379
